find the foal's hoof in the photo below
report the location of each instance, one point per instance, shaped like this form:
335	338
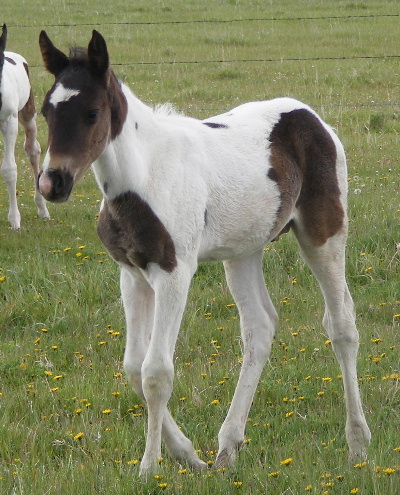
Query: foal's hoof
225	459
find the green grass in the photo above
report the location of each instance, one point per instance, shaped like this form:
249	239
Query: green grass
57	383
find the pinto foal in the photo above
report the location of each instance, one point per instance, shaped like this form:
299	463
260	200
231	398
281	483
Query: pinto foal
179	190
16	103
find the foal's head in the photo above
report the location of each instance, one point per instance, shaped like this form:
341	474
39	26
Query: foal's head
84	110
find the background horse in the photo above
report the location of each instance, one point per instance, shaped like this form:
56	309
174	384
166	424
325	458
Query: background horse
17	104
176	191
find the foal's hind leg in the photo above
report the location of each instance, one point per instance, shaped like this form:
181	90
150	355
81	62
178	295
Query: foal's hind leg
27	118
328	265
138	299
9	129
258	319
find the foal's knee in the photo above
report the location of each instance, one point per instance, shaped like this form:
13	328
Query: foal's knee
157	379
9	171
134	376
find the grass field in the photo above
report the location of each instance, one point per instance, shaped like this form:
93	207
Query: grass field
68	422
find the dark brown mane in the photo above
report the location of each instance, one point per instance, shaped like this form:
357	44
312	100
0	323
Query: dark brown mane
78	55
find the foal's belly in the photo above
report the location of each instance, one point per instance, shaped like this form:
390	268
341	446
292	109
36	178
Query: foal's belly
242	233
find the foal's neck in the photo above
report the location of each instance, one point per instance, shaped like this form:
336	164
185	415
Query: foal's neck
123	166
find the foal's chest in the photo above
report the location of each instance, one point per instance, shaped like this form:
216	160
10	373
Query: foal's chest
134	235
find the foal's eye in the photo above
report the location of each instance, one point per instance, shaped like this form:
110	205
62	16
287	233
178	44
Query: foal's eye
92	116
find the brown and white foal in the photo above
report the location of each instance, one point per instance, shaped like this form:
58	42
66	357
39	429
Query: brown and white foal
178	191
17	104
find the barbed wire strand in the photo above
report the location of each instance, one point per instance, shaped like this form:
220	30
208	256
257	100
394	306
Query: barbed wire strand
207	21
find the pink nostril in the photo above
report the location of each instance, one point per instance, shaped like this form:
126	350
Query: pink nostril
45	184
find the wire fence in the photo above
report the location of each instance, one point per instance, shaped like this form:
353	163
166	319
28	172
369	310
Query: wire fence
209	21
382	57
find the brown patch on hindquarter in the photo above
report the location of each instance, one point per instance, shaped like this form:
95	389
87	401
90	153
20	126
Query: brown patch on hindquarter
29	110
134	235
303	157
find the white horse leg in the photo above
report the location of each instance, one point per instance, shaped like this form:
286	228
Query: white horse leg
258	319
32	148
138	299
170	291
9	129
328	265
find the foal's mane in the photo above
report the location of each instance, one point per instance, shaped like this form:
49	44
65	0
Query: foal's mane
78	55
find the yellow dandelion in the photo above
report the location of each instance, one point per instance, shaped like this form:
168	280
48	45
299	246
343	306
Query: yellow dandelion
133	462
78	436
389	471
3	278
354	491
238	483
215	402
287	461
289	414
163	486
274	474
107	411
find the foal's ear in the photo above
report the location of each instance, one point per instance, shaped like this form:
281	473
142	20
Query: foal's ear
3	38
98	54
54	60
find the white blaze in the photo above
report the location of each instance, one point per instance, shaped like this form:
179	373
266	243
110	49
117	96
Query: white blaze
61	94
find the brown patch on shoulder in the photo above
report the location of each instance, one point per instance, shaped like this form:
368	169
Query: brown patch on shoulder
134	235
303	157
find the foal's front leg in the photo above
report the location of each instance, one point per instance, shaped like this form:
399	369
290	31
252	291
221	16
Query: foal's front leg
157	372
138	299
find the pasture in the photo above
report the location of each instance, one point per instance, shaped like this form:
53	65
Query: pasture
69	422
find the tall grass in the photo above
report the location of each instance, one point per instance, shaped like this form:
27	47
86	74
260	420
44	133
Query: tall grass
69	423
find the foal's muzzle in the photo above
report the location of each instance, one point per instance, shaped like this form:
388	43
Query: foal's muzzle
55	185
